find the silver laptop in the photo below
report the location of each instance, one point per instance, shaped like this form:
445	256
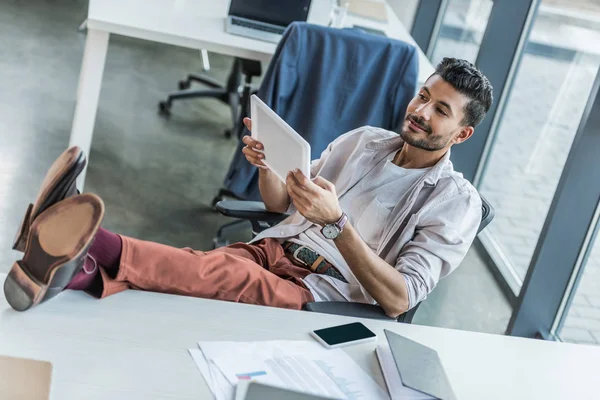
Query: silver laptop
264	19
259	391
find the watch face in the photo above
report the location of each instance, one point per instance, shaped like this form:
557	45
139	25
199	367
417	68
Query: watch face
331	231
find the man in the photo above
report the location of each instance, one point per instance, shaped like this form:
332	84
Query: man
383	218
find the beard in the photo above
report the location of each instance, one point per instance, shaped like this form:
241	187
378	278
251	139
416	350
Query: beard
432	142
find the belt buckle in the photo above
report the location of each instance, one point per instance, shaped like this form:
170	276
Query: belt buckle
295	254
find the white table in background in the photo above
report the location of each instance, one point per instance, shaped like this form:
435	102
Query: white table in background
133	345
198	24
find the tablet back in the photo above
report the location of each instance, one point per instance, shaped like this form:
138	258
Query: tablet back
284	148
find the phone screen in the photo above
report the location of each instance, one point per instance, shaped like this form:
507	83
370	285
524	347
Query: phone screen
344	333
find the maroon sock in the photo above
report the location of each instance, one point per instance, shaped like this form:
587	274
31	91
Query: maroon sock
106	249
83	279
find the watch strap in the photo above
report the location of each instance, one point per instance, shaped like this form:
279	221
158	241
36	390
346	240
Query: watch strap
342	221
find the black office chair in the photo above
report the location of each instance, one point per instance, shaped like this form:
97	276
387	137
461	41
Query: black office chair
228	93
260	219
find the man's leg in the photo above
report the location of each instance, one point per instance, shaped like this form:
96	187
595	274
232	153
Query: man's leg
57	243
255	274
258	274
105	251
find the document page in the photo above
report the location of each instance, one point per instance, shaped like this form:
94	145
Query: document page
302	366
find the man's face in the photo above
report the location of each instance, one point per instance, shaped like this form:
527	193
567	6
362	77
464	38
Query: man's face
434	115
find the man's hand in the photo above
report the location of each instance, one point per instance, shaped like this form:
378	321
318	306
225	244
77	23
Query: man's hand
316	200
253	148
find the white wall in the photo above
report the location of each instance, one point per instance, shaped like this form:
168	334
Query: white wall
405	10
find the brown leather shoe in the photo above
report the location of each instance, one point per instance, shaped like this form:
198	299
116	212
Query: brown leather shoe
55	251
58	185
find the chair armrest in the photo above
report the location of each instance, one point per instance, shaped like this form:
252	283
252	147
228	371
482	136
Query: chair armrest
487	214
251	210
359	310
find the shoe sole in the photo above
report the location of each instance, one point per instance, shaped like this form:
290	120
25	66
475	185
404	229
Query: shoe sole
58	184
55	251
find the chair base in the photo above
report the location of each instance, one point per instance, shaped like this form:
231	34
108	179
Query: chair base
229	93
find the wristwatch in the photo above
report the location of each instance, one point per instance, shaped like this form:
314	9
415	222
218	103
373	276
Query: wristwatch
332	231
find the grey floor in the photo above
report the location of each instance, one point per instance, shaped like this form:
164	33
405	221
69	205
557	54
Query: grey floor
156	176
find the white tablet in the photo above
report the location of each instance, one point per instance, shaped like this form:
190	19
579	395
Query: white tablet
284	149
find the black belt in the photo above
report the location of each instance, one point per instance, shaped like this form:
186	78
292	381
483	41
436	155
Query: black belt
312	260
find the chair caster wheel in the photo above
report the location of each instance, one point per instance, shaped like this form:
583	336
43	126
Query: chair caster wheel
227	133
215	200
183	85
165	108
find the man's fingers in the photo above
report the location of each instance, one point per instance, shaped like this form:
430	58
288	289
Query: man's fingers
295	190
248	123
291	184
247	140
248	152
254	158
257	163
304	182
299	201
323	183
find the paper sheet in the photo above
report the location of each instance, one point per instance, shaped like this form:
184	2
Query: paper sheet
218	384
296	365
392	377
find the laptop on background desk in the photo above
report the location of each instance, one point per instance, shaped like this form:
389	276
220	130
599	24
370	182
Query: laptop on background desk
264	19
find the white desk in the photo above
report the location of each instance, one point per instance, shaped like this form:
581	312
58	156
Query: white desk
198	24
134	346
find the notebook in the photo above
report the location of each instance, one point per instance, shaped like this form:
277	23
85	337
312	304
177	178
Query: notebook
419	367
396	388
24	379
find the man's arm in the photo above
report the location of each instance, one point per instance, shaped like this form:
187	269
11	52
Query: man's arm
317	201
440	244
272	190
383	282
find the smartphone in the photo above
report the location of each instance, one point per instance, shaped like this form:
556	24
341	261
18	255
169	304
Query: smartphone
344	335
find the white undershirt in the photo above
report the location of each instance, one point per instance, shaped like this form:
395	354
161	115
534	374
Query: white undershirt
368	205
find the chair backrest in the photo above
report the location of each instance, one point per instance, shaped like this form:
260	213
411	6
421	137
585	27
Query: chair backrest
324	82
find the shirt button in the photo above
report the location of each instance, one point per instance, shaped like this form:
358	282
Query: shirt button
281	233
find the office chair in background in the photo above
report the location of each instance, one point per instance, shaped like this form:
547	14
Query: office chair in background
262	219
228	93
324	82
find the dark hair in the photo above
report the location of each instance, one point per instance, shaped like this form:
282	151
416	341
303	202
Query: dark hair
471	82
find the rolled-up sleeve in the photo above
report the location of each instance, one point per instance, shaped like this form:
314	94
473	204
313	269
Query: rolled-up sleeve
442	238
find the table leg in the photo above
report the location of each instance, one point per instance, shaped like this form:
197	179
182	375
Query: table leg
88	93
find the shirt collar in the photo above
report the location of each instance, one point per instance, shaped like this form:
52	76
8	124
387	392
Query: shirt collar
395	143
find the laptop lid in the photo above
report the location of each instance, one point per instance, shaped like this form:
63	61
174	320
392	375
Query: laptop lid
259	391
420	367
276	12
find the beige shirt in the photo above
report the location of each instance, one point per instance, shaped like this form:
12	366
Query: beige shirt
426	233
